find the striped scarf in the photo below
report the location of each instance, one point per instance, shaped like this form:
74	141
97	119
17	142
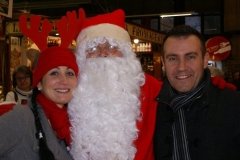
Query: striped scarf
178	102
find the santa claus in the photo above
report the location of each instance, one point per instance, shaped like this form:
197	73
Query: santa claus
114	100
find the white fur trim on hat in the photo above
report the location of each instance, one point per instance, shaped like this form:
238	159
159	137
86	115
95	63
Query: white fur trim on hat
103	30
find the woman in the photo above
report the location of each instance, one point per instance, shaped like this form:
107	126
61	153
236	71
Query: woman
27	133
22	84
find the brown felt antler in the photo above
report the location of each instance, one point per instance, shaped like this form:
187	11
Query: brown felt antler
40	38
68	27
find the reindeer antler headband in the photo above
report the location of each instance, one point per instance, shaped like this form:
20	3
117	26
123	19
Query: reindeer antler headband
68	27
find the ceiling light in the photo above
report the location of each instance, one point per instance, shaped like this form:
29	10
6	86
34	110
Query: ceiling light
163	14
136	40
176	14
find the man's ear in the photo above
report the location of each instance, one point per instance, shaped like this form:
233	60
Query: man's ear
162	61
205	60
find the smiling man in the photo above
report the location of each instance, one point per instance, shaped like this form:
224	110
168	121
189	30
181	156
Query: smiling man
184	62
195	119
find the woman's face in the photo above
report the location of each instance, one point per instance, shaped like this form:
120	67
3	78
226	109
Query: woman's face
23	81
58	84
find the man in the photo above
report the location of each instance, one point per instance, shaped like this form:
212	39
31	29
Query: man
195	120
115	99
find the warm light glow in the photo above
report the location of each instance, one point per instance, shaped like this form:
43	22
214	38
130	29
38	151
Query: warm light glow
136	40
164	14
57	34
176	14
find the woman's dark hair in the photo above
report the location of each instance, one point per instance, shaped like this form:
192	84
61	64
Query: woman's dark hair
44	152
24	70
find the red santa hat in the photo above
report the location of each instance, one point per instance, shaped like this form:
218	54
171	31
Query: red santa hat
111	25
53	57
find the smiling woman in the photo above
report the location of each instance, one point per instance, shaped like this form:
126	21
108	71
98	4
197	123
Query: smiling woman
53	87
57	84
54	80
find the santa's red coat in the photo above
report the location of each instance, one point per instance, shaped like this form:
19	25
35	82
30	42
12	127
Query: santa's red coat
144	142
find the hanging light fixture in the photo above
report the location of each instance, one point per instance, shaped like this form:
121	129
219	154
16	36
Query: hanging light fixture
176	14
163	14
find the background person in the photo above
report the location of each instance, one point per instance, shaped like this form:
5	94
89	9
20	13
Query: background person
195	119
22	84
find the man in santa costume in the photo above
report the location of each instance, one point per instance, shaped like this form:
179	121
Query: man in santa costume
113	111
114	100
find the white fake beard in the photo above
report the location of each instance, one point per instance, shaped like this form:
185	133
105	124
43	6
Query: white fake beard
104	110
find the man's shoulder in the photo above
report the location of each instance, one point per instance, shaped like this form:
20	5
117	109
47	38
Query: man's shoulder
225	95
232	94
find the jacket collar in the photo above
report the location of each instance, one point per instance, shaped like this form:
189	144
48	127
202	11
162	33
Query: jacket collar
164	97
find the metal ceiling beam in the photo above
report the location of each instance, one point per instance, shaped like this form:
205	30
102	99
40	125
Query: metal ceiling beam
49	4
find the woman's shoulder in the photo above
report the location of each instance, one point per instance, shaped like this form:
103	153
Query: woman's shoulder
10	96
6	106
15	110
19	116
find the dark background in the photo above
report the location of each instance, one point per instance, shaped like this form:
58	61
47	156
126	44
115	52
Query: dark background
131	7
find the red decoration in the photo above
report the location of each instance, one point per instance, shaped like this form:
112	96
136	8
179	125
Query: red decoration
68	27
218	48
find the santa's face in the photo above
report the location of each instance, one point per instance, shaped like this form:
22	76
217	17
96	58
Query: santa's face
105	107
103	50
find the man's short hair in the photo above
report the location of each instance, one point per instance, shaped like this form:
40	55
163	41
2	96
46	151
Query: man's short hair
184	31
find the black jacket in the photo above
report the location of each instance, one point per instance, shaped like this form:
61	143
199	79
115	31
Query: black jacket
213	125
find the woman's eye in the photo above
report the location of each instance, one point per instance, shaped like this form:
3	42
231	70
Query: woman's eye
53	73
71	73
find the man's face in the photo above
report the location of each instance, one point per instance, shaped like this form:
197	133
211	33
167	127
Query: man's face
183	62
